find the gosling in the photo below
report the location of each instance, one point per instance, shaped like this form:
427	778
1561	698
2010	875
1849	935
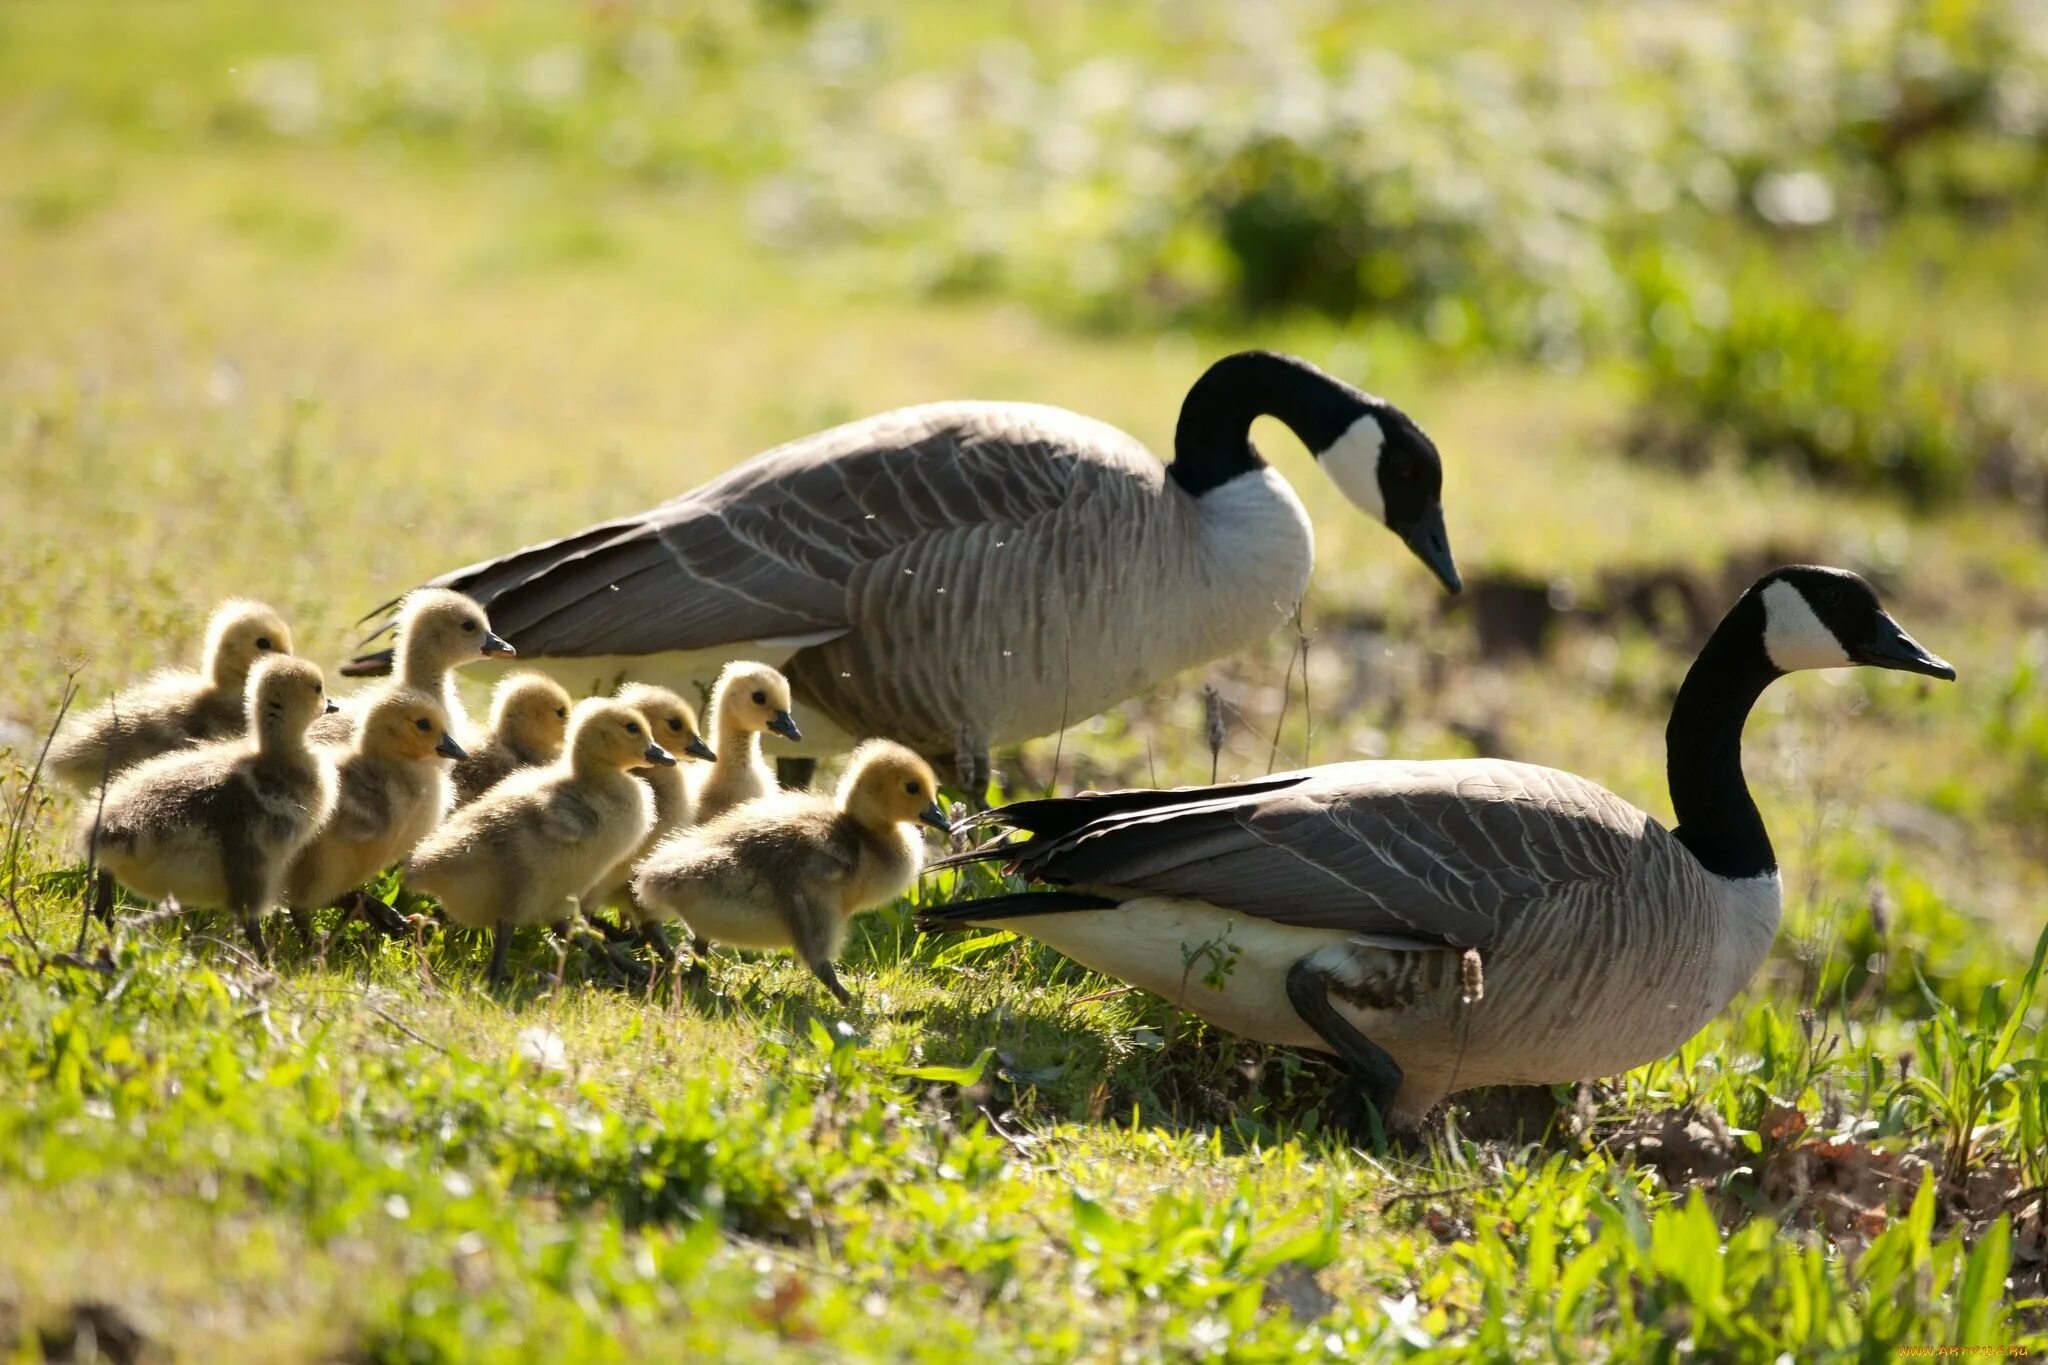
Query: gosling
220	825
518	853
529	721
790	870
175	709
675	728
392	789
747	699
438	632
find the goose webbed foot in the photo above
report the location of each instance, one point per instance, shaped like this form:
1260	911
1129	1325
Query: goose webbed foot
1361	1105
829	974
795	774
385	919
612	931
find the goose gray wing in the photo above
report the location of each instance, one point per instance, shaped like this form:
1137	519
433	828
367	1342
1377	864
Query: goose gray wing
1444	852
766	552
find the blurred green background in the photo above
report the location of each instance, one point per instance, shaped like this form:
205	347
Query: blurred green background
313	302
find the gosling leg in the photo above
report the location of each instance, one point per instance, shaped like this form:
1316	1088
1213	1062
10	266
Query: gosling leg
103	892
1375	1076
828	974
501	939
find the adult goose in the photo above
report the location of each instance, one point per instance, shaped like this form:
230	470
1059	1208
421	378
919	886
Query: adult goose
965	574
1441	925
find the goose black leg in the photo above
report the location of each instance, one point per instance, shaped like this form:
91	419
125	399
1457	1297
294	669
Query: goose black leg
795	774
621	970
1376	1076
613	932
103	896
501	939
651	936
828	974
302	922
972	768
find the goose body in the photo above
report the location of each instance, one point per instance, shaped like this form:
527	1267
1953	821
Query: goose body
219	825
529	723
391	790
964	574
790	870
1440	925
175	709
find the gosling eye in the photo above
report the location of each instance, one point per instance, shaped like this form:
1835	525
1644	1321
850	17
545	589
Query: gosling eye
912	788
263	642
675	724
469	627
760	699
562	711
632	727
423	723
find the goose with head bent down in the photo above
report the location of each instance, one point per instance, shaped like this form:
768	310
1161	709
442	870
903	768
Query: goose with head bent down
1442	925
966	574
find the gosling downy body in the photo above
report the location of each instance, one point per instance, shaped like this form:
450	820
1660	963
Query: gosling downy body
674	725
1442	925
790	870
517	854
174	709
220	824
438	631
967	574
391	790
529	724
747	699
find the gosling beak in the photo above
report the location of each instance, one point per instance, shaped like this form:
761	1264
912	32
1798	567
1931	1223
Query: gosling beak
660	757
448	748
935	817
1430	543
784	724
1893	648
697	748
332	707
497	646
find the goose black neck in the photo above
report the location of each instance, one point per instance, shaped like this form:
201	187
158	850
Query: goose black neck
1213	443
1717	819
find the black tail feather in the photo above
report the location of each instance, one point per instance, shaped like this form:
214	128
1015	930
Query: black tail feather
368	665
1018	905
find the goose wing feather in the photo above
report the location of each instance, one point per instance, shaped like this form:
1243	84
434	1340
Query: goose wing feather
767	550
1439	852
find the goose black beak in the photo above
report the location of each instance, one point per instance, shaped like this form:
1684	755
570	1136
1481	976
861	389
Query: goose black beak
697	748
497	646
784	724
332	707
1893	648
936	818
448	748
1430	543
660	757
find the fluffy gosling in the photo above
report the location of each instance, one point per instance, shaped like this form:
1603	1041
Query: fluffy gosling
529	722
675	728
175	709
391	790
438	631
517	854
220	824
790	870
747	699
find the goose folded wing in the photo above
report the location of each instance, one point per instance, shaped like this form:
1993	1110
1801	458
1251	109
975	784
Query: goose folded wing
766	552
1412	854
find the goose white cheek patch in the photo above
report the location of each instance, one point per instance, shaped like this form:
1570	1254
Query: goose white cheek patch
1353	464
1796	638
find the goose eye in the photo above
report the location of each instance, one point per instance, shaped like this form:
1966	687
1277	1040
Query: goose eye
562	711
632	728
760	699
469	627
675	724
424	724
263	642
910	787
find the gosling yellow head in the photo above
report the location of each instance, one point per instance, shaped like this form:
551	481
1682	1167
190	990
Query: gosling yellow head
409	725
530	713
673	721
751	697
438	630
888	785
605	734
238	635
286	695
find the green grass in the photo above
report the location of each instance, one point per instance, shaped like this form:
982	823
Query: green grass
323	368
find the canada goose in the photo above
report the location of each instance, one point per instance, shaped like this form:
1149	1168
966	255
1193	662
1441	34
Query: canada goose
529	721
174	710
675	728
961	575
518	853
789	870
438	631
218	825
391	790
747	699
1451	924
